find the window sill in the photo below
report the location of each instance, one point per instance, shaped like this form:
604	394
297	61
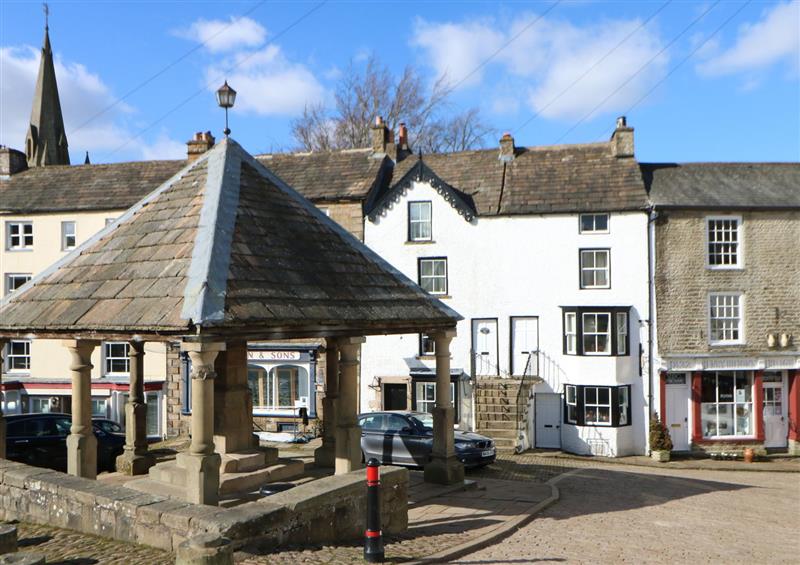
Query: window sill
427	357
596	287
15	250
726	343
419	242
440	296
725	268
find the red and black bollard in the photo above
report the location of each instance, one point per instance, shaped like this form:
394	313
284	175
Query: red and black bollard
373	538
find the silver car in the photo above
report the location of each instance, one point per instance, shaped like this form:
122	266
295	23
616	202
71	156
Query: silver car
406	438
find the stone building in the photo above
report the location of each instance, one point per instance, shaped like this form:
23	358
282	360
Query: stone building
728	303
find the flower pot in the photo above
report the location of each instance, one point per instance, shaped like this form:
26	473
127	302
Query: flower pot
749	454
660	456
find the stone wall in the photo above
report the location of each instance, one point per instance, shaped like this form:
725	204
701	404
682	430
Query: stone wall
177	422
348	215
327	510
767	279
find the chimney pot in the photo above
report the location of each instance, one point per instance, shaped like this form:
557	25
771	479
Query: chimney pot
202	142
507	149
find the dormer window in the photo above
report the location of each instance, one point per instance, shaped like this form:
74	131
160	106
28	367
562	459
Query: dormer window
419	221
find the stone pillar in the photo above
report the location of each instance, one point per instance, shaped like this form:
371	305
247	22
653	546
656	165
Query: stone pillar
81	443
325	455
3	343
444	468
233	403
201	463
135	460
794	412
348	432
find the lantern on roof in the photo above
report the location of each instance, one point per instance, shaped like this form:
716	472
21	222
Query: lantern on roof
226	96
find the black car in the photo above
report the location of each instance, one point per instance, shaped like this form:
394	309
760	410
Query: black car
41	440
406	438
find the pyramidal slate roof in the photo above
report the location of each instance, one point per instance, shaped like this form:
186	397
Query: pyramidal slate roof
224	247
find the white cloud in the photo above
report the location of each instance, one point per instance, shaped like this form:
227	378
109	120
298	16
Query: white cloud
546	58
455	50
225	35
267	83
83	94
774	38
164	147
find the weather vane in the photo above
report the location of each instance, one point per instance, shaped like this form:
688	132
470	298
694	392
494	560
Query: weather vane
46	10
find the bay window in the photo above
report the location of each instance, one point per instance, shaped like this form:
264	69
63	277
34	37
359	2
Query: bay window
726	404
590	405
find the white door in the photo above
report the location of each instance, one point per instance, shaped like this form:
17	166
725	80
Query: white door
484	346
524	346
677	417
548	420
776	425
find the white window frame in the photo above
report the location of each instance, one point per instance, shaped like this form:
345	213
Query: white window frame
584	333
571	319
9	356
108	359
739	253
421	386
11	278
423	338
21	245
597	405
621	327
594	229
594	269
97	400
572	404
433	277
149	397
740	320
421	204
65	235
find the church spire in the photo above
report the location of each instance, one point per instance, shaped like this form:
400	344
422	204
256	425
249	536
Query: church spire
46	140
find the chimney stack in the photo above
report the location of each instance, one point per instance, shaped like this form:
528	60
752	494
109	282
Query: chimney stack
507	148
402	135
382	140
202	142
622	139
11	162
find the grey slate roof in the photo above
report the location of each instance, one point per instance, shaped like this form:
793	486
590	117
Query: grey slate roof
224	246
723	185
343	175
560	178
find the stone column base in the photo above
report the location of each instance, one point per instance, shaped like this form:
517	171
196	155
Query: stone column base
325	455
82	455
444	470
131	463
348	449
794	447
202	477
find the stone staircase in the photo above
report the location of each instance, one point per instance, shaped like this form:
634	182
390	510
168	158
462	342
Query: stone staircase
496	412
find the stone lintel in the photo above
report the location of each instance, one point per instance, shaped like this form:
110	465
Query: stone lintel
202	346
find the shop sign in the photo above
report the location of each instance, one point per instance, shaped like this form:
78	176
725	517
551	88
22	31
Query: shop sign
273	355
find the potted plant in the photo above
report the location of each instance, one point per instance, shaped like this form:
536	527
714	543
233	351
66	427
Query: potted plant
660	442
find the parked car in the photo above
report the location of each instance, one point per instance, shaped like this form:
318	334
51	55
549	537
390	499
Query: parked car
108	426
41	440
406	438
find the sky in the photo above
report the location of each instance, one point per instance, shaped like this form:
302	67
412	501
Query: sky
699	81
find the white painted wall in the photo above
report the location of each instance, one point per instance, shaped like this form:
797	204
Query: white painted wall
499	267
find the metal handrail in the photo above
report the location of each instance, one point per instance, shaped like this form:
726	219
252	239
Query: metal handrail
522	399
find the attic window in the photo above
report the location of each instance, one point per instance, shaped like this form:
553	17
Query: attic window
593	223
19	236
419	221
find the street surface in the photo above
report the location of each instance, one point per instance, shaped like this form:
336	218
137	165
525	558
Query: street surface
623	514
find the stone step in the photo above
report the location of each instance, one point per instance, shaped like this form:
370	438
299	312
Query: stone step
168	473
496	417
505	444
497	425
499	433
252	480
496	393
250	460
485	407
495	400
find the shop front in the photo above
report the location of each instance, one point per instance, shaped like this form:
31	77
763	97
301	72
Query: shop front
283	383
727	410
29	396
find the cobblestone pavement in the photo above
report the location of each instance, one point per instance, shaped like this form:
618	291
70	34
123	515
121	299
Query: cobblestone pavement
621	514
65	547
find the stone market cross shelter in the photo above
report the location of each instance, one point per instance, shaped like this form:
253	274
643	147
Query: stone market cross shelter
222	253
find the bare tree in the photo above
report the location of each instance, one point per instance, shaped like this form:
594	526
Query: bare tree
362	94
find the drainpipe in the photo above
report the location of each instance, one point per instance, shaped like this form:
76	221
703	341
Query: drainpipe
651	218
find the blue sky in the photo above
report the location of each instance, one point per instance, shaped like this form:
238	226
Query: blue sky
549	72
